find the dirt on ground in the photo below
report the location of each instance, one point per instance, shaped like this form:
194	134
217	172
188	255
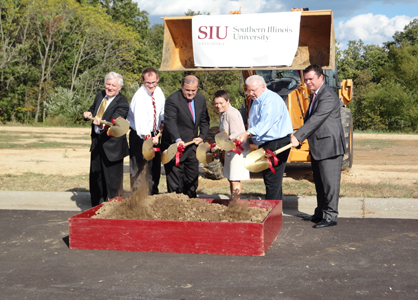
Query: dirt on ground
377	157
179	207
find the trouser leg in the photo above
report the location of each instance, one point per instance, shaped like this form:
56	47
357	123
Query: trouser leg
155	169
328	176
191	173
113	177
273	181
96	180
137	162
174	177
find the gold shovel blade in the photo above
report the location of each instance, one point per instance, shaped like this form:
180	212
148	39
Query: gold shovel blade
148	149
119	127
224	142
256	161
203	153
168	154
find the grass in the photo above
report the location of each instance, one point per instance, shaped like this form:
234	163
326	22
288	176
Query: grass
39	144
376	144
14	140
252	188
382	132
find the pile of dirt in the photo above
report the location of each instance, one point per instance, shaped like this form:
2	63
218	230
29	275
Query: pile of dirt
179	207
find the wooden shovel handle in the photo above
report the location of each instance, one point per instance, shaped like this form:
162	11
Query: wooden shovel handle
280	150
188	143
101	121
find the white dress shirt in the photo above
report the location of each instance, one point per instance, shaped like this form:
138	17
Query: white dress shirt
141	111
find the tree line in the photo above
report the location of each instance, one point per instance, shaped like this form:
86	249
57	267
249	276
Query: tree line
55	53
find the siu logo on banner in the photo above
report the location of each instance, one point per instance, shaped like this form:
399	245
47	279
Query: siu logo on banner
206	31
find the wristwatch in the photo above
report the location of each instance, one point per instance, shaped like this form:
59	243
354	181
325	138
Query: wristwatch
249	134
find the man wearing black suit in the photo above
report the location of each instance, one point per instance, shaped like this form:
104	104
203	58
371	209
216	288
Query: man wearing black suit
323	129
107	153
186	118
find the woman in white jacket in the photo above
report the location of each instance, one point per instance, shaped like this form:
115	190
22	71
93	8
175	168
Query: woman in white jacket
232	123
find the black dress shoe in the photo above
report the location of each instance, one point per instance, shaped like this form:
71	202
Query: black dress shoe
312	219
325	223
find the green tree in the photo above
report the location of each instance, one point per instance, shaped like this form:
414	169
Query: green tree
129	14
408	36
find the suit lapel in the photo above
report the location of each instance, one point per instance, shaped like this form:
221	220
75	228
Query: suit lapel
317	99
109	110
99	102
184	105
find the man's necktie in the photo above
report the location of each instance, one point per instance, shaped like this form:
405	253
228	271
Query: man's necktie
155	114
102	108
311	108
191	109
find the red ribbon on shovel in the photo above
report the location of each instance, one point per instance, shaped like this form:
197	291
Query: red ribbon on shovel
179	153
107	127
155	149
211	146
272	158
238	145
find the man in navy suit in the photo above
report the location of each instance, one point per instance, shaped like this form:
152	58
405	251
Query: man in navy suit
186	119
323	129
107	153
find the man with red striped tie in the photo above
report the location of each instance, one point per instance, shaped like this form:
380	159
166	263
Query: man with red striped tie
146	118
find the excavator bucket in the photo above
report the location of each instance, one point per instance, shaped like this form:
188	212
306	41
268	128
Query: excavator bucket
316	44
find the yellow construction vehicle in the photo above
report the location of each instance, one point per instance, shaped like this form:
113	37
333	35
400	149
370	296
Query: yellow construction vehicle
316	46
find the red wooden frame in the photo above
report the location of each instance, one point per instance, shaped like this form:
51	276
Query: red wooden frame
230	238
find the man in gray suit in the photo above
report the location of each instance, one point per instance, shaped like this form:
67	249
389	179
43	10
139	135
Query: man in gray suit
323	129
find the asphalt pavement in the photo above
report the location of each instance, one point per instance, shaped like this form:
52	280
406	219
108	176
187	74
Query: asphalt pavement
363	257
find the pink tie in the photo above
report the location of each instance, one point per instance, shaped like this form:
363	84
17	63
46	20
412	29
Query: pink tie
155	114
313	99
191	109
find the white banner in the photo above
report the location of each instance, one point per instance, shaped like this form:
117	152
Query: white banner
252	40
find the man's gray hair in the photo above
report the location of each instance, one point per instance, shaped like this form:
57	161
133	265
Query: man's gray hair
255	78
112	75
190	79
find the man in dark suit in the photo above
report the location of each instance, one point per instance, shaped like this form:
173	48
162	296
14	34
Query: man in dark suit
107	153
186	118
323	129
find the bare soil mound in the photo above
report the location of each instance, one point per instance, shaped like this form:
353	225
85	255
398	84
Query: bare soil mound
179	207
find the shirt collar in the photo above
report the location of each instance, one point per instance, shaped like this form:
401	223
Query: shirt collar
111	98
148	92
316	92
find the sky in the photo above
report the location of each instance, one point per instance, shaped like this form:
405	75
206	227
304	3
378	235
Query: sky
374	22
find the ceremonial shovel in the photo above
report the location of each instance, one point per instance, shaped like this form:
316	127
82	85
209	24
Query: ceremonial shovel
171	151
148	148
224	141
258	161
117	128
204	152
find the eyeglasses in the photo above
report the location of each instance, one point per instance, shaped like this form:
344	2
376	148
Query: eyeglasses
252	91
150	83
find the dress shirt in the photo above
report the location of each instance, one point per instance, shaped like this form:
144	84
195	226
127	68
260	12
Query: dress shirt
194	110
194	114
315	93
109	100
141	111
269	118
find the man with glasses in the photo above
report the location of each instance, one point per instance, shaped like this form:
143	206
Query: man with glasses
186	119
146	117
269	127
